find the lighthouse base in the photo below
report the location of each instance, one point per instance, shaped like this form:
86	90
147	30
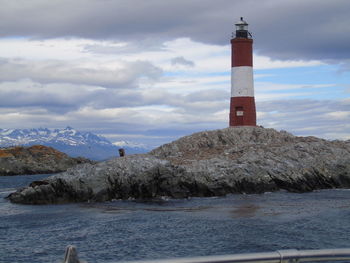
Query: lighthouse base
242	111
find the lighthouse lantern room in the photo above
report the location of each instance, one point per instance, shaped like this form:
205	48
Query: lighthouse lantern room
242	28
242	105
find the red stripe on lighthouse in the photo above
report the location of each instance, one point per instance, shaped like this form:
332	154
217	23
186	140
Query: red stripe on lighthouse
242	52
242	111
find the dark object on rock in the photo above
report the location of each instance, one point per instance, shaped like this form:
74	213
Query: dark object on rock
121	152
212	163
36	159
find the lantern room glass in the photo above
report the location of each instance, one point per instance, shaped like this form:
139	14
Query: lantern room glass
242	27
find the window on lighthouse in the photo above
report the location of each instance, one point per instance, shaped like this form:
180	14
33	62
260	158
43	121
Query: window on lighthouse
239	111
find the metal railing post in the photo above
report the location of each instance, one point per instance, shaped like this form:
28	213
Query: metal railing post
286	254
71	255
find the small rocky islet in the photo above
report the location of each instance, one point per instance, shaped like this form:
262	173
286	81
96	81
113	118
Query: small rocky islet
36	159
210	163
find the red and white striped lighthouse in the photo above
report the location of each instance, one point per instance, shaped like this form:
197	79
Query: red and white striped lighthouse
242	108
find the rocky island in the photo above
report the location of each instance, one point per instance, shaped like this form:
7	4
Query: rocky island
210	163
36	159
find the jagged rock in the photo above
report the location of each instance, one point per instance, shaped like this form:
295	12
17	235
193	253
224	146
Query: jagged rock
211	163
36	159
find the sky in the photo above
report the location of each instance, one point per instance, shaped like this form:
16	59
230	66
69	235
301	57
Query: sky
152	71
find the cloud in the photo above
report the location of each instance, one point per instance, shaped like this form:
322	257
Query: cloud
53	97
324	118
117	47
65	97
269	90
182	61
286	30
264	62
338	115
48	71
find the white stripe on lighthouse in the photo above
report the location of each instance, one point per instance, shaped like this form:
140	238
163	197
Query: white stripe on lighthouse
242	82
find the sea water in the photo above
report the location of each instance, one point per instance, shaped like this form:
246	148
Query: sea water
134	230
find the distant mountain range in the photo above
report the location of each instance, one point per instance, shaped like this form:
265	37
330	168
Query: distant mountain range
70	141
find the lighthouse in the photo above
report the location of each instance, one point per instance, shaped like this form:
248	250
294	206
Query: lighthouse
242	106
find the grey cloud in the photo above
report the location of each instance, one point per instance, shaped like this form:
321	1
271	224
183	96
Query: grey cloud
194	103
145	45
208	95
49	97
182	61
64	72
288	30
64	97
307	117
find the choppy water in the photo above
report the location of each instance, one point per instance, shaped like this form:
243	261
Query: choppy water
129	230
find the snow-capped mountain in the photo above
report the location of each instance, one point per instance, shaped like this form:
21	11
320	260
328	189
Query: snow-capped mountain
69	136
129	144
68	140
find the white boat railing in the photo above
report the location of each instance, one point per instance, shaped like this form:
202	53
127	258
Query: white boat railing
279	256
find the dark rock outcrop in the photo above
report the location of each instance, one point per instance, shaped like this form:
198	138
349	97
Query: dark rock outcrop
212	163
36	159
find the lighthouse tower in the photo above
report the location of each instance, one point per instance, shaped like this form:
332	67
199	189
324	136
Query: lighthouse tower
242	108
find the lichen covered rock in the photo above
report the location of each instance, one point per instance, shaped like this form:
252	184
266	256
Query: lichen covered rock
36	159
211	163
